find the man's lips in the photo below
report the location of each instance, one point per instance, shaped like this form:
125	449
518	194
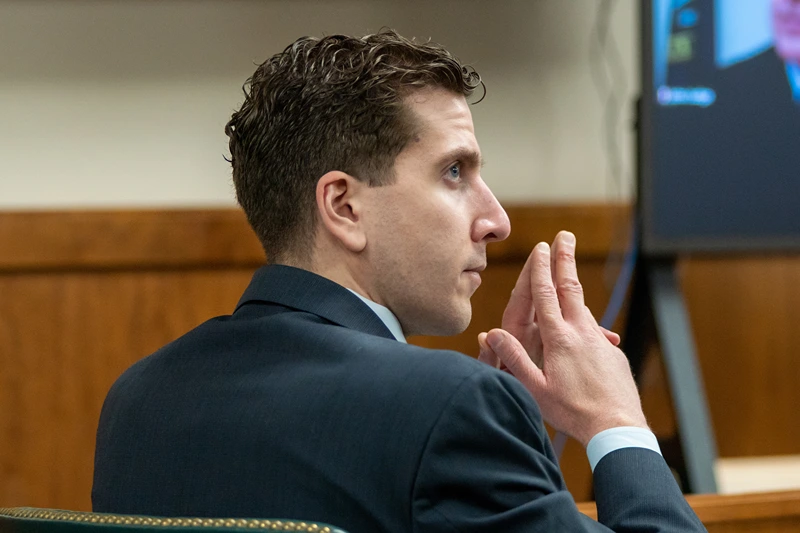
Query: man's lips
475	273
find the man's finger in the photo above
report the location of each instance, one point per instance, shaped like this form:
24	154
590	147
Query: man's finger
520	312
486	354
612	337
553	255
545	301
569	289
511	353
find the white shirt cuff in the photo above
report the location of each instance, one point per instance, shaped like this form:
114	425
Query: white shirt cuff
614	439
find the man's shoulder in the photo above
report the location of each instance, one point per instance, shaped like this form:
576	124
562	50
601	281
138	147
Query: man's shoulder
303	342
415	367
311	336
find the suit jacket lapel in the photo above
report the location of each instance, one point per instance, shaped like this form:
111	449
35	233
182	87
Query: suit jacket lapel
306	291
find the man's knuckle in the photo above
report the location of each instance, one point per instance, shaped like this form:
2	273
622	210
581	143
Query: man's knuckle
544	289
565	255
561	337
569	287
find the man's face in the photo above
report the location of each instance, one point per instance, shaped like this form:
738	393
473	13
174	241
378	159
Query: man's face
427	232
786	25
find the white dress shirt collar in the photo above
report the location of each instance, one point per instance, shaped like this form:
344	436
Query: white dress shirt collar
386	316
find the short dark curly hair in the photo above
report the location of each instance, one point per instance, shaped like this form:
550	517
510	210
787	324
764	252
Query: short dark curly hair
334	103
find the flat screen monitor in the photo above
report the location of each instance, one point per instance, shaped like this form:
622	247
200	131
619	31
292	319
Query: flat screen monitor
719	126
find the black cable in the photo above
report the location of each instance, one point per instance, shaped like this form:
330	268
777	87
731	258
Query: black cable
608	76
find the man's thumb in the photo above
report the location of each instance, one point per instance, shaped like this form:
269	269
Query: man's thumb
486	354
509	350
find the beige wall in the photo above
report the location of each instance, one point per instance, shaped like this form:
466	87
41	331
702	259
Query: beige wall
107	103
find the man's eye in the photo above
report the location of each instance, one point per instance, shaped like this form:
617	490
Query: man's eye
454	172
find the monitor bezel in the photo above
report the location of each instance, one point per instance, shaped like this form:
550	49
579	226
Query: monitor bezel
653	244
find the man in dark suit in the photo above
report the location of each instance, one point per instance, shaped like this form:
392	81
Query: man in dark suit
356	162
732	167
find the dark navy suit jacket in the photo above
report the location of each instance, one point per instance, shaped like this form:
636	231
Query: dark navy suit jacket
302	405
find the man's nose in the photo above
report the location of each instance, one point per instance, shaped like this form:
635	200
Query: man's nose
492	224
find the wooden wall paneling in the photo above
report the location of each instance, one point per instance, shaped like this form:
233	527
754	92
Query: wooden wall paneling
744	311
221	237
126	239
598	228
84	294
64	339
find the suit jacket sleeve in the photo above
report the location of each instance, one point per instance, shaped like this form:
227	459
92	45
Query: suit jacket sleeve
489	466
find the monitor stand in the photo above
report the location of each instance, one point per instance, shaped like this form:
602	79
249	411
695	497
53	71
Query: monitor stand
658	315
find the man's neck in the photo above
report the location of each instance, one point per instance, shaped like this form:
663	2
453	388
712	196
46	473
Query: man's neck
343	271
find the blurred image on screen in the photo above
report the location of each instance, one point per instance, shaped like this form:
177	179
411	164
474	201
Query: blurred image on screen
725	108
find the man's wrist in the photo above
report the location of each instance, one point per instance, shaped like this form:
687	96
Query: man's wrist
602	425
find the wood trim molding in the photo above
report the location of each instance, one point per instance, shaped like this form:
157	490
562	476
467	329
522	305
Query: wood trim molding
600	228
724	508
146	239
721	508
74	240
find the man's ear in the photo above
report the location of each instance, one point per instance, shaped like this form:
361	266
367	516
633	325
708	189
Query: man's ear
339	206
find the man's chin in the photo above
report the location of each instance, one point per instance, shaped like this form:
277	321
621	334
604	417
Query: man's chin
448	322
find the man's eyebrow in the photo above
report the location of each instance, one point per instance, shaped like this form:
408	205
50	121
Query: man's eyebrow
464	155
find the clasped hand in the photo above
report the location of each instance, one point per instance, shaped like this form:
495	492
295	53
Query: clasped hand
552	344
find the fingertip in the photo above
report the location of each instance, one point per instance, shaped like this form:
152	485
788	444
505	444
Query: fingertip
495	339
482	340
612	336
487	355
